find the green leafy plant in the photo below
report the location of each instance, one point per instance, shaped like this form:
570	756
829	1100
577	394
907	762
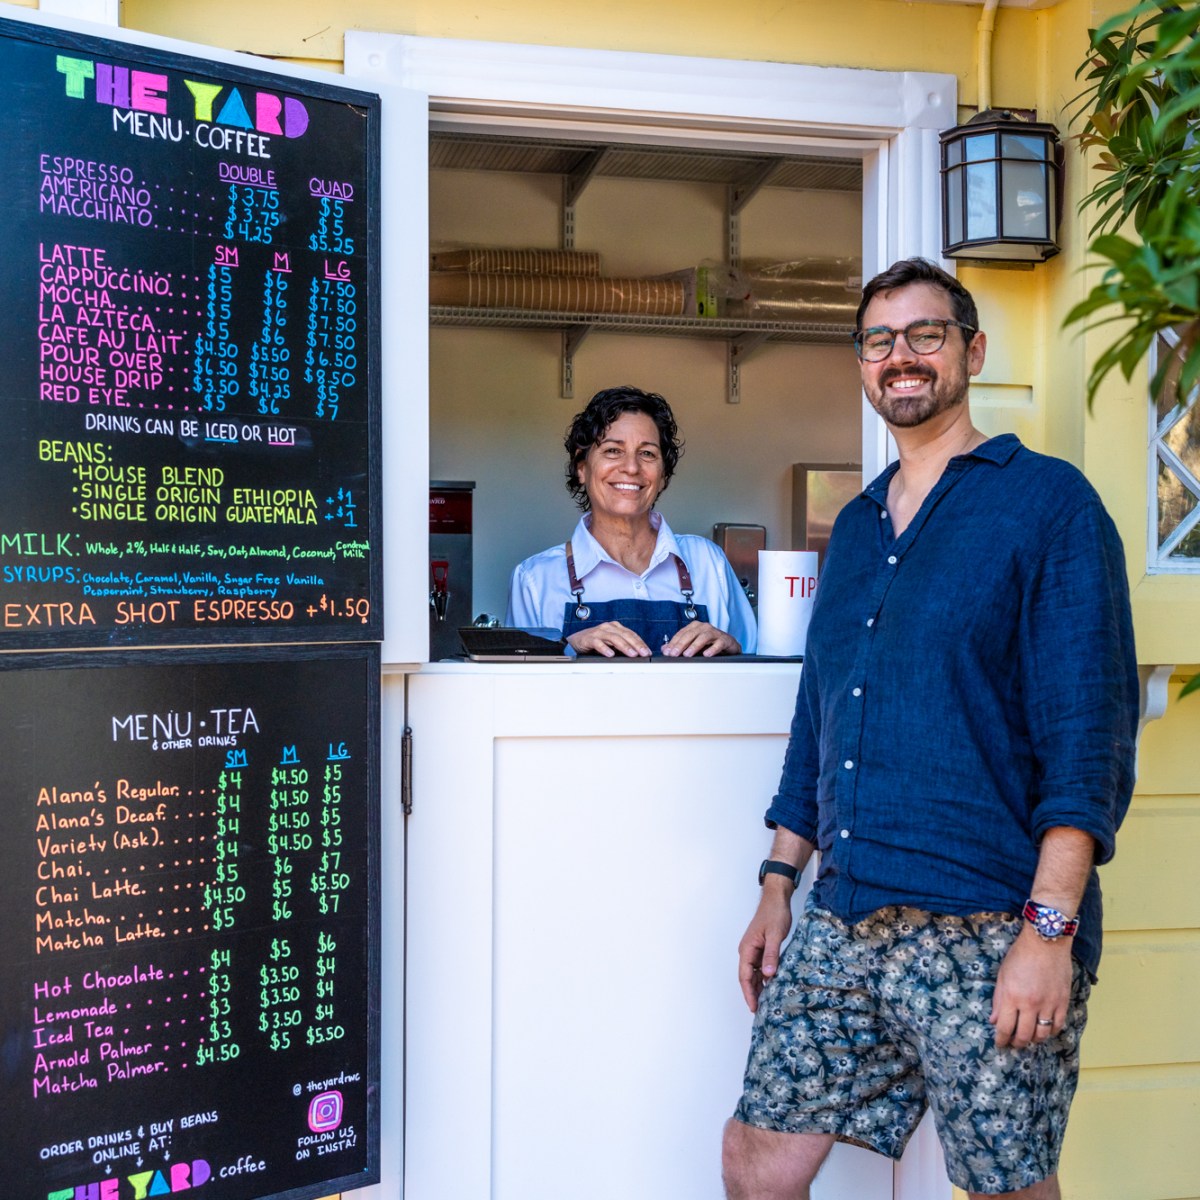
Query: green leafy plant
1138	114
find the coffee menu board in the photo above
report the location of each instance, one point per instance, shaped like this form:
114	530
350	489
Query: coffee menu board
189	312
190	926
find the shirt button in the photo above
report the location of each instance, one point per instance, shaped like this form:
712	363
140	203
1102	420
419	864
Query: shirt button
870	622
857	692
845	833
892	559
849	764
883	515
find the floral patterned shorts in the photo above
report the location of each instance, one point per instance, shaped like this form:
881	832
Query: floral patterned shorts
865	1025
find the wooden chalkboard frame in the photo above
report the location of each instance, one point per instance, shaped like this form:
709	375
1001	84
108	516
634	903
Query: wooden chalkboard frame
111	665
346	625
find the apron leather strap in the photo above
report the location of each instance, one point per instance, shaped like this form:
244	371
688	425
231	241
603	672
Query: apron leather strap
582	611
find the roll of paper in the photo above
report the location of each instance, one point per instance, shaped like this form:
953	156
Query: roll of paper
568	293
787	584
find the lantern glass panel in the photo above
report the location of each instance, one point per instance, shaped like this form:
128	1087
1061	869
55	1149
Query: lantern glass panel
1013	145
954	206
979	146
981	202
1023	197
953	152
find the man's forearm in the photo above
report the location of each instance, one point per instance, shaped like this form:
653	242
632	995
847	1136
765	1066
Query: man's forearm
790	848
1064	863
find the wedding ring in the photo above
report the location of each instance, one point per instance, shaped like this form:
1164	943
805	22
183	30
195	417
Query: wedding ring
1043	1021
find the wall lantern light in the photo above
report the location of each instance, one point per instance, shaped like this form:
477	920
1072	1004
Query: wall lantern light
1001	189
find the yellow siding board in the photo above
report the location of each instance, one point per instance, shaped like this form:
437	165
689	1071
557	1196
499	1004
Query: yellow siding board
1133	1136
1142	1010
1150	883
1167	761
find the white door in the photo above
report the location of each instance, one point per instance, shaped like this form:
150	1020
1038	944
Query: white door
620	1032
580	871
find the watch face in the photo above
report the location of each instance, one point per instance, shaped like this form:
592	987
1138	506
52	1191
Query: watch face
1049	922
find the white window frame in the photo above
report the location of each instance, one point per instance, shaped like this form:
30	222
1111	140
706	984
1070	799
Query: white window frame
890	120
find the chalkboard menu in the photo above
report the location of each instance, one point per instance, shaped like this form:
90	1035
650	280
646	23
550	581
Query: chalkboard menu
190	923
189	316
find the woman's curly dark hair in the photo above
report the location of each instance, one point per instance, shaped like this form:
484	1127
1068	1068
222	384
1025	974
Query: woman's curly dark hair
593	423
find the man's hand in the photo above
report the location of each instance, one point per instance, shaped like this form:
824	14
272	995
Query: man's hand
1032	987
758	951
1034	982
701	638
610	639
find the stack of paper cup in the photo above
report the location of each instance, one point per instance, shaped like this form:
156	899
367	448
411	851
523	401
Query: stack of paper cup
787	583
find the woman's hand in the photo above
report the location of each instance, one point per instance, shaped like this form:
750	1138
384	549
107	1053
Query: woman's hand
610	639
701	638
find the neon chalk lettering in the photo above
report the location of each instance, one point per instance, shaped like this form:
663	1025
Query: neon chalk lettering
149	92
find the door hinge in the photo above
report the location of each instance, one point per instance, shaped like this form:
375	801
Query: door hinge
406	742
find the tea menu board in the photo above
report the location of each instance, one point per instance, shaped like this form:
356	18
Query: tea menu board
189	311
190	933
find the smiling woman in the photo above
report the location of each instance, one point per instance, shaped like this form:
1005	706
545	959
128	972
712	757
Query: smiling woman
647	590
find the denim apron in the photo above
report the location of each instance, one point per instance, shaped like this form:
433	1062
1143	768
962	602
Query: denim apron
654	621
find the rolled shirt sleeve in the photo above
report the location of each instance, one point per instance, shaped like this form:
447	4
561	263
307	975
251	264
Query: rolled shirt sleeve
794	805
1079	679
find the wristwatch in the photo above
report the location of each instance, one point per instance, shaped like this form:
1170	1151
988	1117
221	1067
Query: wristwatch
1049	923
772	866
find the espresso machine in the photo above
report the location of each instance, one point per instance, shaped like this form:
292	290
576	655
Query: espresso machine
450	508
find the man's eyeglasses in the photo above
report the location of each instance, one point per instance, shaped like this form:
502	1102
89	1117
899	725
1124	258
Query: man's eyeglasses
926	336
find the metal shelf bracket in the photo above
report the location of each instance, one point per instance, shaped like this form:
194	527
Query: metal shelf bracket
573	185
572	339
740	348
737	196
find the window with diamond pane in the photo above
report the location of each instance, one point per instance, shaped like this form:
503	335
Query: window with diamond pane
1175	446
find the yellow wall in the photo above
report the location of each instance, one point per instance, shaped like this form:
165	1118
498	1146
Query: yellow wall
1034	383
885	33
1141	1054
1134	1132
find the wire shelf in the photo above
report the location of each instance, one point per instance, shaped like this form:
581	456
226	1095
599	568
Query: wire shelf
719	328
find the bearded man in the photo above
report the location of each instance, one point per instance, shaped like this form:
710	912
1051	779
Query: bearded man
961	755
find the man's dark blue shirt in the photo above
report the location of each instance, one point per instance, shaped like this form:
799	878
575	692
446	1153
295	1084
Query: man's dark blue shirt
966	686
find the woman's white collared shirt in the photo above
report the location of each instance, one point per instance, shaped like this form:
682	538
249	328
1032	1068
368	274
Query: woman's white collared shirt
540	590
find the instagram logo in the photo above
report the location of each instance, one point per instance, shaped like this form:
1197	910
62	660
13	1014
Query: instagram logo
325	1112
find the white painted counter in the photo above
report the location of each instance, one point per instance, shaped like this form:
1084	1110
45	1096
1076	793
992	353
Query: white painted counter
581	862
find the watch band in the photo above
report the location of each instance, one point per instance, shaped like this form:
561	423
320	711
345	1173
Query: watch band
1049	922
772	866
